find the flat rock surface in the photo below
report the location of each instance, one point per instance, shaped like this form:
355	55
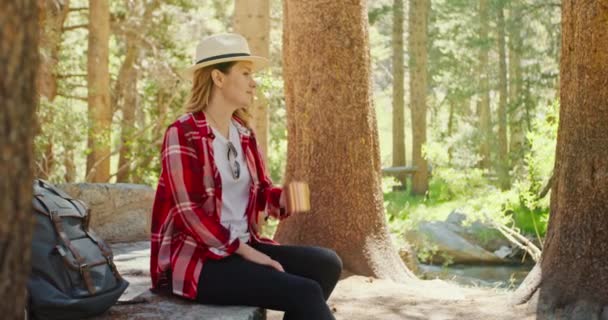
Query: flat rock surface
138	303
120	212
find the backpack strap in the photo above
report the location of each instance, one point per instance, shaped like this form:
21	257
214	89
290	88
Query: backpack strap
84	268
105	251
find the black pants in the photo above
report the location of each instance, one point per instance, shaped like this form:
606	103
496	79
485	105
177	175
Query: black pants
311	273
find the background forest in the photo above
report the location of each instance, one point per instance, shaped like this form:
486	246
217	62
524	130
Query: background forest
491	96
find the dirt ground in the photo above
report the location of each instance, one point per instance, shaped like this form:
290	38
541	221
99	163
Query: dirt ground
359	298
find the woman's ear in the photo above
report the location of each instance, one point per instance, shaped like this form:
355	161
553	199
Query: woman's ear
217	77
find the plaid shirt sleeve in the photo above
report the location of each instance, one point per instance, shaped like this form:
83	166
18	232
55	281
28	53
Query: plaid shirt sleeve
269	195
193	205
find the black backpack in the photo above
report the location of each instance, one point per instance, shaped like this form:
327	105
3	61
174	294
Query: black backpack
73	275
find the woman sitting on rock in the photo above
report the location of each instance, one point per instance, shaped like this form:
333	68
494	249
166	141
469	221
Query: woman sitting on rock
212	192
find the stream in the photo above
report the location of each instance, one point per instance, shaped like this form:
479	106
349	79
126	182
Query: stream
491	276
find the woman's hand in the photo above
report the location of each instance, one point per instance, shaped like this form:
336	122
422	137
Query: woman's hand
255	256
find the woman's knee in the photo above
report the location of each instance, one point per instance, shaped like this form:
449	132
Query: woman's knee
307	290
330	261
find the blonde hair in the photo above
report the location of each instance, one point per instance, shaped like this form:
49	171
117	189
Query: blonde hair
202	86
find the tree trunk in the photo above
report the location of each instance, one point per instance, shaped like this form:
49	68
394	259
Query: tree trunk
128	80
503	144
398	89
18	65
516	114
418	26
574	258
483	109
451	121
70	166
252	20
100	110
333	137
52	16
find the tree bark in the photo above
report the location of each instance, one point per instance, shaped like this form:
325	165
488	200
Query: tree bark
252	20
333	137
19	34
52	15
483	108
418	40
503	144
129	105
100	110
398	89
574	258
516	113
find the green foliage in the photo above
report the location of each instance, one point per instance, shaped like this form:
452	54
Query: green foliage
473	192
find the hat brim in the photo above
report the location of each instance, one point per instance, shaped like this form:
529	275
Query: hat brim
259	63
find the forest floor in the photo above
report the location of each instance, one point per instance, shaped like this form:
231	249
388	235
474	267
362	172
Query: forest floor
362	298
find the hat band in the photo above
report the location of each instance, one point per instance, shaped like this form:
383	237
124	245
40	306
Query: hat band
223	56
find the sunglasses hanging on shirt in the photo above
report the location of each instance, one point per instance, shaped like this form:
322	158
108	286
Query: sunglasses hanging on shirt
235	167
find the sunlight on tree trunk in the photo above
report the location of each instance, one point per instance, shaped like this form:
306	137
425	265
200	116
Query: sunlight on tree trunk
252	20
574	258
333	136
100	111
418	40
398	89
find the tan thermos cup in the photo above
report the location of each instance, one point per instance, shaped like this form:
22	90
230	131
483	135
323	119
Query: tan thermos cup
297	197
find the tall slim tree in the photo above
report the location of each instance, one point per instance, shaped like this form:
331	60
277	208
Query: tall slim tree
52	15
483	106
398	88
333	136
18	65
574	260
516	112
125	95
128	78
100	110
252	20
503	144
418	41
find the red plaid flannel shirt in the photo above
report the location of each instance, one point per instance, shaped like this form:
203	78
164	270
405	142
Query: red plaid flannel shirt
187	207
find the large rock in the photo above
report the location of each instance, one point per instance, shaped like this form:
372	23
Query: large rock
158	307
445	245
119	212
138	303
477	232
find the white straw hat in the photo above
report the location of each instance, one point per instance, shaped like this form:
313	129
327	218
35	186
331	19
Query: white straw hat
223	48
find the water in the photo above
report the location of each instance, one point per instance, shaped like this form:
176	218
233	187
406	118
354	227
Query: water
491	276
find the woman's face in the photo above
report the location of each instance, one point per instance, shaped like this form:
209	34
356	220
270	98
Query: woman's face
238	86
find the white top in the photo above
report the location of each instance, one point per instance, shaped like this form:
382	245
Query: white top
235	192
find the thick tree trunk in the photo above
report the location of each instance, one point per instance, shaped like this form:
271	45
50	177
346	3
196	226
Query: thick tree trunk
398	89
100	110
18	65
333	138
574	262
483	108
503	144
418	21
252	20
